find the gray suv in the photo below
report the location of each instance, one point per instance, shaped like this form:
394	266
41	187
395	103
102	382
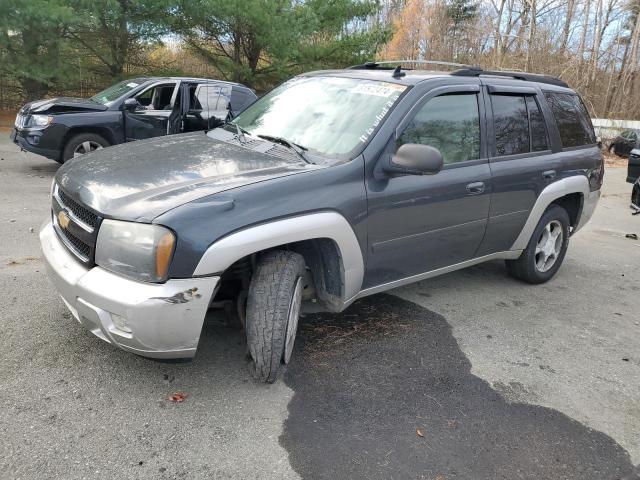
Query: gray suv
334	186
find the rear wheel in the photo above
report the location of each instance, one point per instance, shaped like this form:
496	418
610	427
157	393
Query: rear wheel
82	144
273	307
547	247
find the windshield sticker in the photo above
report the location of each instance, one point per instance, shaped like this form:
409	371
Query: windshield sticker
132	84
378	89
385	109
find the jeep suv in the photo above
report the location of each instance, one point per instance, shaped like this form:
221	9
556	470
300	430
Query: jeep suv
63	128
333	186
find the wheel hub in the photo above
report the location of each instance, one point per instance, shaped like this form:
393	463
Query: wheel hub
549	246
292	321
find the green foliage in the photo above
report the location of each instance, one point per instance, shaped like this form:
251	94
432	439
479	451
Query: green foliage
31	41
113	30
260	42
75	46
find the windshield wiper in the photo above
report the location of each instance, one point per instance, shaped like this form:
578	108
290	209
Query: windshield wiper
299	149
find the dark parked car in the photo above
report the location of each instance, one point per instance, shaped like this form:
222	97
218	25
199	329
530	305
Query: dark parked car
633	176
335	185
62	128
625	142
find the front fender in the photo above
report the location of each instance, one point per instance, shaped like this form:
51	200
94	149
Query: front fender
223	253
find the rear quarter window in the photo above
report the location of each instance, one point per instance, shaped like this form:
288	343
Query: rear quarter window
572	119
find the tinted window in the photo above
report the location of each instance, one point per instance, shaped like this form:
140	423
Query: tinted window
536	124
451	124
572	119
510	124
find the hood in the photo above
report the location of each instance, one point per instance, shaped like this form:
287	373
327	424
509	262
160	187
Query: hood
62	105
139	181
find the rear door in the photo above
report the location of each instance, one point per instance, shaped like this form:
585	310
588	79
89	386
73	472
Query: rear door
151	118
522	160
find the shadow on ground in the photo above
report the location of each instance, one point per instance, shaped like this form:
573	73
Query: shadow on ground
384	391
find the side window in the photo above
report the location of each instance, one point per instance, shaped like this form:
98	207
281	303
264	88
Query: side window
450	123
536	124
214	98
572	119
511	124
157	97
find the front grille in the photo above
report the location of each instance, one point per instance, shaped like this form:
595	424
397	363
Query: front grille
78	245
87	217
80	234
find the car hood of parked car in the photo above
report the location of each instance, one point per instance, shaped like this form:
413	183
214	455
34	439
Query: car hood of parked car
139	181
62	105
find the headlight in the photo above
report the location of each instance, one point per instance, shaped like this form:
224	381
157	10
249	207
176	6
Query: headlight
39	120
137	250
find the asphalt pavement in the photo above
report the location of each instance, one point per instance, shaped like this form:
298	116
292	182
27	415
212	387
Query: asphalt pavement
471	375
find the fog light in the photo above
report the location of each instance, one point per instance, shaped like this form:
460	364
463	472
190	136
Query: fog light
120	323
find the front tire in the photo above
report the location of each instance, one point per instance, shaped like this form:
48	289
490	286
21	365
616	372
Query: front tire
82	144
273	308
546	250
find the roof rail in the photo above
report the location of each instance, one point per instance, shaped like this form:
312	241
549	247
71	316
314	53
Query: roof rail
392	63
530	77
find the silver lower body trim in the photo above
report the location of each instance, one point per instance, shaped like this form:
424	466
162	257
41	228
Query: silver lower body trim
153	320
508	255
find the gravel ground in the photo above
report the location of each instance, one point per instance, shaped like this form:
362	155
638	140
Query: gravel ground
504	380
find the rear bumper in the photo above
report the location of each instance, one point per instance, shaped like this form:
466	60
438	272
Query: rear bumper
161	320
588	207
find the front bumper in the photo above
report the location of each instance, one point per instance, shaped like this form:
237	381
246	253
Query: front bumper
165	319
588	207
35	141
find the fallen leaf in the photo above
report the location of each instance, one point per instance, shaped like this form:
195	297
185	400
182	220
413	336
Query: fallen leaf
419	433
440	477
451	423
178	397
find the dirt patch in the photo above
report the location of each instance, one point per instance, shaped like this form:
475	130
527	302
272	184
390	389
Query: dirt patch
611	160
6	121
22	261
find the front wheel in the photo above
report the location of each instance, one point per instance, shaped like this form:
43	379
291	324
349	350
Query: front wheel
82	144
547	247
273	308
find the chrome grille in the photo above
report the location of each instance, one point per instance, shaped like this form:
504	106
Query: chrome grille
85	216
79	235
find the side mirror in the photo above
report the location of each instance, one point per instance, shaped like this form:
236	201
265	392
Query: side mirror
415	159
130	104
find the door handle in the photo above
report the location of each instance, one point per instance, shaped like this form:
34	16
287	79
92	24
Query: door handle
475	188
549	174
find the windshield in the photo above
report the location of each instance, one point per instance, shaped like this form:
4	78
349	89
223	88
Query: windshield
329	116
114	92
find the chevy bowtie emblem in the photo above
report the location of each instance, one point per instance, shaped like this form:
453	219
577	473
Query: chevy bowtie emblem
63	219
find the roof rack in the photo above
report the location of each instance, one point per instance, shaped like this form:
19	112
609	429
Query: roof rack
529	77
463	70
390	64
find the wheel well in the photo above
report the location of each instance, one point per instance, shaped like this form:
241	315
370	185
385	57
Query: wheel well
572	203
324	263
102	131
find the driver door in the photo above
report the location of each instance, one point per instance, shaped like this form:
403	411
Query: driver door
420	223
155	115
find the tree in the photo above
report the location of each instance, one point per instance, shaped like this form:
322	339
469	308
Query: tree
31	36
112	31
259	43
